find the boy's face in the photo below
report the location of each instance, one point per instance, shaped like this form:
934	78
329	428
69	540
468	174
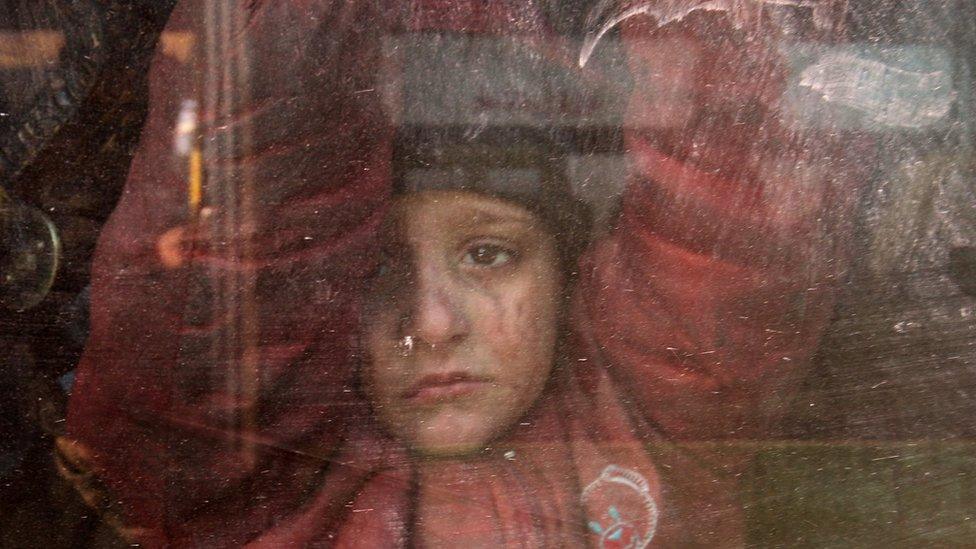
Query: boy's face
461	321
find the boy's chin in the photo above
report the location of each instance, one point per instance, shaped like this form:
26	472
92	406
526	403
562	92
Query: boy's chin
452	433
448	448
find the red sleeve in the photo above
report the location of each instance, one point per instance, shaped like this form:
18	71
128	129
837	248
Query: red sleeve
211	393
709	297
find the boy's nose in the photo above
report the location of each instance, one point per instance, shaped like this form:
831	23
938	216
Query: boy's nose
437	315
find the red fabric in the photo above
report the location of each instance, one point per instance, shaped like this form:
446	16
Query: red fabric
160	396
693	319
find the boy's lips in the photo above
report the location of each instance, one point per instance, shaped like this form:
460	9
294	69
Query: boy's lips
434	388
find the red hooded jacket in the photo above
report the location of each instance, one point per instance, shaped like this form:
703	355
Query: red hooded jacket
217	399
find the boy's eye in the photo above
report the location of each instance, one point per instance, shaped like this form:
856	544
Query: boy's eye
488	255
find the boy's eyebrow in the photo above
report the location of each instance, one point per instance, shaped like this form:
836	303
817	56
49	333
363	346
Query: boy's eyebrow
483	217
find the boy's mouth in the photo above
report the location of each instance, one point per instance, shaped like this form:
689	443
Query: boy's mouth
435	388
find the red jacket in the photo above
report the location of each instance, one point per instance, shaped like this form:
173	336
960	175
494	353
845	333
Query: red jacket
218	399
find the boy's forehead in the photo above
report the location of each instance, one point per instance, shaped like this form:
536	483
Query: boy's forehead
459	209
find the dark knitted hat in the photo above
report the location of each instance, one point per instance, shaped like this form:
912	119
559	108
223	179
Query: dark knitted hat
488	114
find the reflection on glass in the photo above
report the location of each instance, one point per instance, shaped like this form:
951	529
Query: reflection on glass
29	254
619	273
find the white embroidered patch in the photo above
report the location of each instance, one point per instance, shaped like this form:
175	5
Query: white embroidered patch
629	513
